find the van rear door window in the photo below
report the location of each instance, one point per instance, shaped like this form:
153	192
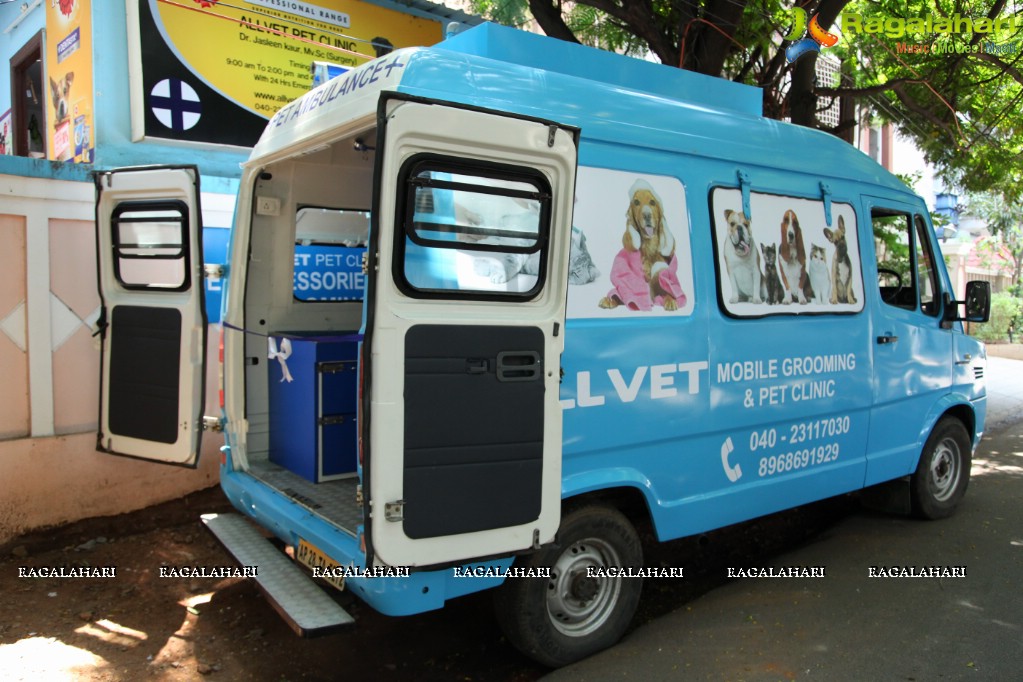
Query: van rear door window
471	231
150	245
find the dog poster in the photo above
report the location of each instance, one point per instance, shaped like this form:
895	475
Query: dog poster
784	258
69	111
631	246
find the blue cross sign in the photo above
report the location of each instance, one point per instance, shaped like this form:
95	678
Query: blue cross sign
175	104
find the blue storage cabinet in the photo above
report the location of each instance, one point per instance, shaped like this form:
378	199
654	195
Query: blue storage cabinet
313	418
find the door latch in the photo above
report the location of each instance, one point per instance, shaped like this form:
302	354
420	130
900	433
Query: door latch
394	511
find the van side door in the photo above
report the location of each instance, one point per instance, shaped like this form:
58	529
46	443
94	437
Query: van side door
152	326
468	286
912	350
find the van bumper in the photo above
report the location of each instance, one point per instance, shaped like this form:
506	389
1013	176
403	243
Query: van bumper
420	591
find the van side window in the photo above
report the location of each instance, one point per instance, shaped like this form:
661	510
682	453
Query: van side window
905	267
329	248
787	256
150	240
472	231
925	271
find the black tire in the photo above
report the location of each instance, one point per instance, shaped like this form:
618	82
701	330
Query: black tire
569	616
943	473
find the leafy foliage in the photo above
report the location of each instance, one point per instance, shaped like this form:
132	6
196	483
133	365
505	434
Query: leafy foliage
960	108
1004	218
1006	310
959	100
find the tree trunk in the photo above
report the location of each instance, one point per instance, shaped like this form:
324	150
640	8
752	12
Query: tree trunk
802	92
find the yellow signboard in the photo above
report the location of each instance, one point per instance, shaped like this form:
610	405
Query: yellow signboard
259	54
69	112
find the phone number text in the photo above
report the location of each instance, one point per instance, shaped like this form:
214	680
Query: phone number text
799	459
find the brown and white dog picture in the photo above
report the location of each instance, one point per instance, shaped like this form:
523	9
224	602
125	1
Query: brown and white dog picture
645	271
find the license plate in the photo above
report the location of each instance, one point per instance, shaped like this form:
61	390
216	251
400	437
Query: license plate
313	557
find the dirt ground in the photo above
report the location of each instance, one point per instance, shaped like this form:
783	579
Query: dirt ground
141	626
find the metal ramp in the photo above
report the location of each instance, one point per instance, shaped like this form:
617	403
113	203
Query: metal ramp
292	593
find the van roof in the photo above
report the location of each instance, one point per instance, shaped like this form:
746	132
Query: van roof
610	97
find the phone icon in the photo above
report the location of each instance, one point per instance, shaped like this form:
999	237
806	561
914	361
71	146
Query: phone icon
733	473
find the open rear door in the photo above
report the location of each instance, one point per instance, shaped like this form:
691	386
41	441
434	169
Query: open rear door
153	322
465	331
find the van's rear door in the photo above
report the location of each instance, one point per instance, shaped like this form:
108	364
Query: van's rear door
153	322
461	422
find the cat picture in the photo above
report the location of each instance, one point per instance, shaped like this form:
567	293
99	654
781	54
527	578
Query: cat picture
820	278
770	285
503	267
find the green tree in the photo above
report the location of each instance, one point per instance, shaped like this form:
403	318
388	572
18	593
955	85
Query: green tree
1004	218
961	109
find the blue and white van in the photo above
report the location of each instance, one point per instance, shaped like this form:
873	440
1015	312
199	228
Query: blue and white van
562	292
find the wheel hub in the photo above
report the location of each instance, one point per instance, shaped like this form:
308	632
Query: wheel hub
584	588
578	602
944	469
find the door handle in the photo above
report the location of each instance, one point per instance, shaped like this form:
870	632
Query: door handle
476	366
887	338
519	365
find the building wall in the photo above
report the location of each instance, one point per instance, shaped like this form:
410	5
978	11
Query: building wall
114	145
14	418
50	472
12	41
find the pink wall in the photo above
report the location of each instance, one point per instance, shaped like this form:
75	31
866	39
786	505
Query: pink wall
73	299
50	472
14	415
50	481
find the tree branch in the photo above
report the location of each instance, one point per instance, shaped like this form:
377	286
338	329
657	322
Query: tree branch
923	112
548	15
640	18
866	91
1016	74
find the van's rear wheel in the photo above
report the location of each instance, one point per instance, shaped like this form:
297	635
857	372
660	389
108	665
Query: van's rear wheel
943	472
574	613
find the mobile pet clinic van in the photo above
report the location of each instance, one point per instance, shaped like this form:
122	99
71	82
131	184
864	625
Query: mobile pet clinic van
561	292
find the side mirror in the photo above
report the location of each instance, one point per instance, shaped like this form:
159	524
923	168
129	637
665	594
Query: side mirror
977	304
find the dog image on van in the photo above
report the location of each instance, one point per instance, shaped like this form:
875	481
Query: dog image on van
645	271
742	260
792	258
841	266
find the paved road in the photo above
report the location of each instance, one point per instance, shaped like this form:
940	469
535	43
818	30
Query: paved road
849	626
1005	393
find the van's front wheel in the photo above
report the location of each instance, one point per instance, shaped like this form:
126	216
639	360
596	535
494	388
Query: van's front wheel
582	607
943	472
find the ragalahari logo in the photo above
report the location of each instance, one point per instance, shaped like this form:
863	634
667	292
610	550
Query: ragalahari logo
817	39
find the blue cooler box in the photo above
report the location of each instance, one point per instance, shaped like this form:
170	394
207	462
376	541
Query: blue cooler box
312	418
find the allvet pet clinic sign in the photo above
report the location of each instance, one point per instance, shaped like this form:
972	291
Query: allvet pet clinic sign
215	72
